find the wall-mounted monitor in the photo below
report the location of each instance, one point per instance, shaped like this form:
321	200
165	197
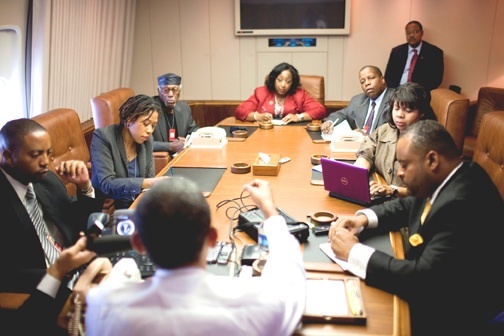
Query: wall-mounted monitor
292	17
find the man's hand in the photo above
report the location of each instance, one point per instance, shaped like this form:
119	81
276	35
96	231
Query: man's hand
71	258
74	171
177	145
342	241
261	194
327	127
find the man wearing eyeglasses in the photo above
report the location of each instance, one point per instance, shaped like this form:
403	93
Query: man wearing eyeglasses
176	121
415	61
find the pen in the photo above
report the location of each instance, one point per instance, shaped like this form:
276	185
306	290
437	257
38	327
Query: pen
335	121
171	170
354	297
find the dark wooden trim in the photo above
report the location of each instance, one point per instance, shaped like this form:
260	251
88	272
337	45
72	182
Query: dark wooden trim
211	112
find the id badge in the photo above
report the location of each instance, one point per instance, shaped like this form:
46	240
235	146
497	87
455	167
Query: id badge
171	134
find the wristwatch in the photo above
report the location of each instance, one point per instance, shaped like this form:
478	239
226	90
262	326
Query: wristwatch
395	190
300	116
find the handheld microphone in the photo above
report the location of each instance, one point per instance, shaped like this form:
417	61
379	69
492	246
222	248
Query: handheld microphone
97	221
109	244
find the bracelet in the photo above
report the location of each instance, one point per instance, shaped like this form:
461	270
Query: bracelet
255	114
88	190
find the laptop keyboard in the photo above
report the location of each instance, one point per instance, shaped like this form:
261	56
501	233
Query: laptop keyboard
145	264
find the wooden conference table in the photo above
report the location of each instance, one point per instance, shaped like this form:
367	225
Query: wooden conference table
295	194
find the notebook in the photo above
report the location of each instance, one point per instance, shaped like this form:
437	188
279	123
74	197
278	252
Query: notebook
348	182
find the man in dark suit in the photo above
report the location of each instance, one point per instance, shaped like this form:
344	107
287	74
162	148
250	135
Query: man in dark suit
450	276
26	151
176	121
428	68
359	109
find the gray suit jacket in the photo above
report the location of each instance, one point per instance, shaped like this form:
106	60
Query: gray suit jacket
355	112
110	165
184	120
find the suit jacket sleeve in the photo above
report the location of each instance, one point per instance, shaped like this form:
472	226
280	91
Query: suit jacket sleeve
109	162
253	103
305	103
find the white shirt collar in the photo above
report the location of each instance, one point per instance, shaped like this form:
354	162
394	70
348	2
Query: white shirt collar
418	48
436	193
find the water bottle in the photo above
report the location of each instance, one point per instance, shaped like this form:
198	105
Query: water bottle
263	247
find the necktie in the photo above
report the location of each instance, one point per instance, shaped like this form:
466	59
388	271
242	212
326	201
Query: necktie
425	211
412	64
35	213
369	121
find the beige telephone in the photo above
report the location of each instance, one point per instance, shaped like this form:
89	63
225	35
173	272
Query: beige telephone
208	137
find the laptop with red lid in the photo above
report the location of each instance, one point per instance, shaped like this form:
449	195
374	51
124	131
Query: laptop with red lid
348	182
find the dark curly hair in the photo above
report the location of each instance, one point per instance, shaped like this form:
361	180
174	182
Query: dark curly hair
270	81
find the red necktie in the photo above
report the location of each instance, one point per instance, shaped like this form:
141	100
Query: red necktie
369	121
412	64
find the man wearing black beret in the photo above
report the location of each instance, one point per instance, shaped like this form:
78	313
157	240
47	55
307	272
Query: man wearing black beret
176	121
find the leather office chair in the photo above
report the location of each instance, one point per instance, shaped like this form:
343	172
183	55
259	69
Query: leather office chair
68	143
314	85
451	110
489	150
105	108
489	99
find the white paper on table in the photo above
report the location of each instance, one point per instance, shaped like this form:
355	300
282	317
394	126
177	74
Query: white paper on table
341	129
318	302
278	122
326	248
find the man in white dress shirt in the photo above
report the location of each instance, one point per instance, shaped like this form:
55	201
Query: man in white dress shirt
173	224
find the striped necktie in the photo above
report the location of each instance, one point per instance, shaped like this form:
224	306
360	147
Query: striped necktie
32	206
369	121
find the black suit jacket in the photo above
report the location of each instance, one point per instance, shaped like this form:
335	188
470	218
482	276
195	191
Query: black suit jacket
21	253
452	281
428	70
184	120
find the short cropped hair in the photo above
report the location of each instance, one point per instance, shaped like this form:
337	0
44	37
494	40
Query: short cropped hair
173	221
415	22
277	70
373	68
13	132
426	135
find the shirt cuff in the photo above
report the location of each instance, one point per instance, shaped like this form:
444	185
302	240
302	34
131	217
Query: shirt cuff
371	215
358	259
49	285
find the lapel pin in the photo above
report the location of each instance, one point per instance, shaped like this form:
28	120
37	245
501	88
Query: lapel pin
415	239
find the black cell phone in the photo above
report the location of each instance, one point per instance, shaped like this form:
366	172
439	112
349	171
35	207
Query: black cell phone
225	253
321	230
213	253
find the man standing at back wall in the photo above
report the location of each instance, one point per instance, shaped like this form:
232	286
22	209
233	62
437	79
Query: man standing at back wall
176	121
415	61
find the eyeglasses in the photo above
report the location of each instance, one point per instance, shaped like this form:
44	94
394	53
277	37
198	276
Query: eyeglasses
166	89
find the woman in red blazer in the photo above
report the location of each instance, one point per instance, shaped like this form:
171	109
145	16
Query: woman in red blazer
281	97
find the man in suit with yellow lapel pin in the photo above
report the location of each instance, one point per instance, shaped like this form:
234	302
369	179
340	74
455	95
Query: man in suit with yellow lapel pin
454	218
